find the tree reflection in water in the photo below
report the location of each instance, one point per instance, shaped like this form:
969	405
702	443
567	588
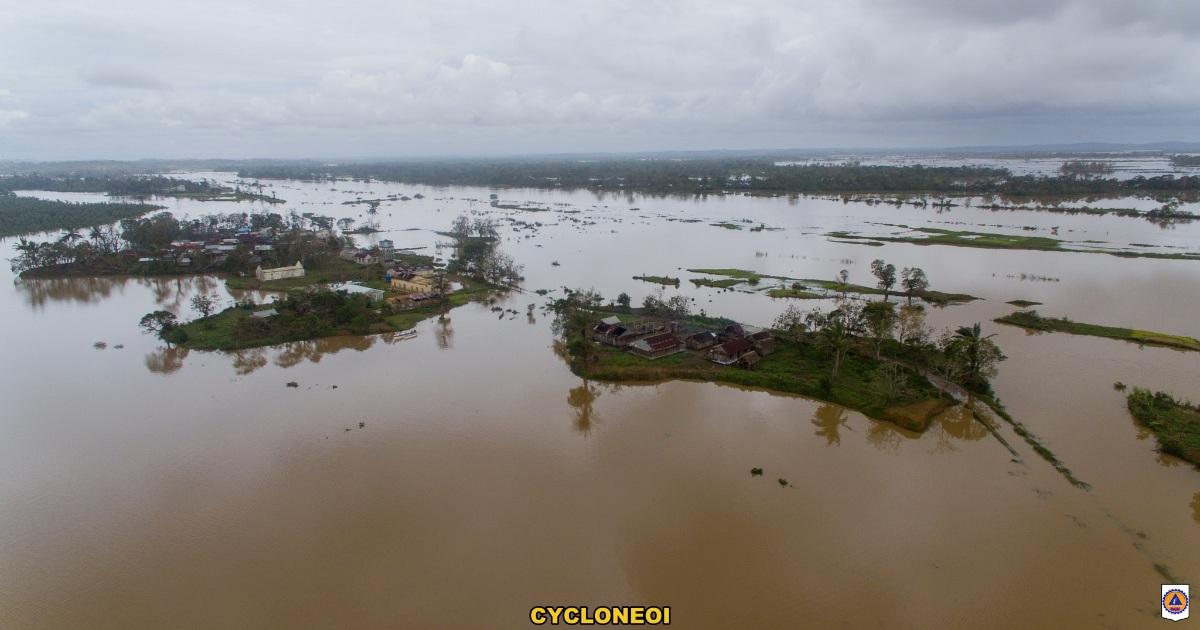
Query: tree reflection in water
444	332
39	291
166	360
956	423
581	399
249	360
829	420
885	436
294	352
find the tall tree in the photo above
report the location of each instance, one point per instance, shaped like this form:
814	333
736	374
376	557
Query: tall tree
885	273
914	280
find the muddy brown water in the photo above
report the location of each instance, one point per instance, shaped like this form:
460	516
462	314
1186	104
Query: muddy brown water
148	487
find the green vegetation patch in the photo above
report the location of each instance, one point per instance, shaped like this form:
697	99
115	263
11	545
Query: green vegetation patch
799	294
667	280
989	240
1023	303
23	215
1032	320
719	284
1176	424
933	297
794	368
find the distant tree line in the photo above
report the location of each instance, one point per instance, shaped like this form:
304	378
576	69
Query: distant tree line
698	176
120	185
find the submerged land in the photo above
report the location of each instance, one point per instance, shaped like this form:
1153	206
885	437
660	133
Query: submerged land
1175	423
990	240
1034	321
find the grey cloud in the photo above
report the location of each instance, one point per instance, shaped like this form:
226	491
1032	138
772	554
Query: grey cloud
471	76
123	79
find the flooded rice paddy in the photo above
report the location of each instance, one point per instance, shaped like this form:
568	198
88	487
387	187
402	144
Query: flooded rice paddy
459	478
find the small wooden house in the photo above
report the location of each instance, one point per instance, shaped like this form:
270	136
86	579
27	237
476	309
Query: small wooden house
657	345
729	352
764	343
701	340
732	331
749	360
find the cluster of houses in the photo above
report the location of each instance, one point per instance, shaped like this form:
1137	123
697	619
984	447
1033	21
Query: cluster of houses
217	248
384	253
733	345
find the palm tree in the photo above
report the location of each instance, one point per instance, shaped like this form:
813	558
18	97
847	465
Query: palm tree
973	344
70	235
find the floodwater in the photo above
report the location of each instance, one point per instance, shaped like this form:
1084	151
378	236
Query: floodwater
148	487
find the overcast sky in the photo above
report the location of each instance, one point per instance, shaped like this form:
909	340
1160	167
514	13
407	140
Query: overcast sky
253	78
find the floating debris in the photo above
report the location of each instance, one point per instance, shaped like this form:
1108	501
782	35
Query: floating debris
293	384
756	472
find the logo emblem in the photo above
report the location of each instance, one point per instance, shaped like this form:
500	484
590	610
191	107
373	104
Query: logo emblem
1175	601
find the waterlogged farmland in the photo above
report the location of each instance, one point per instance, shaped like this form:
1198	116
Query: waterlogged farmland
156	485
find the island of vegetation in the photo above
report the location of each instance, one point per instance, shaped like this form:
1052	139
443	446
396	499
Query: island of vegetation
330	286
989	240
913	281
1032	320
877	357
135	186
25	215
872	357
665	280
1176	424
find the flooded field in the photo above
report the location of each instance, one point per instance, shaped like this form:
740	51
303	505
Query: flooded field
461	477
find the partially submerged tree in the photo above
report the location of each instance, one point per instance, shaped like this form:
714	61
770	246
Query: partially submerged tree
843	282
971	356
163	324
885	273
575	315
914	280
203	304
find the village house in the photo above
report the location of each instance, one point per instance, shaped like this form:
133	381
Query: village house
749	360
279	273
612	332
729	352
701	340
358	289
656	345
732	331
764	343
414	282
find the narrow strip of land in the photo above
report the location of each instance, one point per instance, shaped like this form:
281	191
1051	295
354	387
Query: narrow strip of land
1032	320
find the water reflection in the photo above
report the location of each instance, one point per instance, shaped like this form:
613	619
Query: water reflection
248	360
885	436
444	332
169	292
829	420
40	291
166	360
956	423
581	399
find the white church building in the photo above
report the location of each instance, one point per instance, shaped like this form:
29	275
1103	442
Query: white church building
279	273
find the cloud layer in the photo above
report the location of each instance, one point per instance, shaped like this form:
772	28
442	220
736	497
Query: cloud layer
135	78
